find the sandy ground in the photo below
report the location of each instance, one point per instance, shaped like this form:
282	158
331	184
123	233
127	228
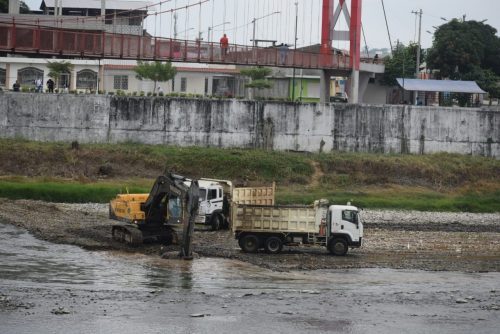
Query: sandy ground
393	239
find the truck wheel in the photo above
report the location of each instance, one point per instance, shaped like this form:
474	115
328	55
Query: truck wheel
338	246
273	245
249	243
216	222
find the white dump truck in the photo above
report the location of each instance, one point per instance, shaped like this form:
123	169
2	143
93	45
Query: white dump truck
217	197
337	227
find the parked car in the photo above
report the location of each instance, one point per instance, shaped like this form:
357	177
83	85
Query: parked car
339	97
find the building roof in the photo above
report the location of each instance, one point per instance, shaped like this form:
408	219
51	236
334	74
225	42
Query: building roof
96	4
449	86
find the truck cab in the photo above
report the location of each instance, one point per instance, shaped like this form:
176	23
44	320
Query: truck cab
211	207
344	228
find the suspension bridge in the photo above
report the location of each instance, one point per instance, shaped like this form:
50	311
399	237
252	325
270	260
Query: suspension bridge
90	37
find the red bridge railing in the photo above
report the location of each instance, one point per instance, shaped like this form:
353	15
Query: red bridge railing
34	39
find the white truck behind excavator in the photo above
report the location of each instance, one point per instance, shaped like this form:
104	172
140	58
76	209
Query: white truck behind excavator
217	197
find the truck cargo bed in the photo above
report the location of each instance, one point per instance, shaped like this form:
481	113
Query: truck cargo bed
286	219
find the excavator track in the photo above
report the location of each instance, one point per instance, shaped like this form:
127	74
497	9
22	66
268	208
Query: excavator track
128	234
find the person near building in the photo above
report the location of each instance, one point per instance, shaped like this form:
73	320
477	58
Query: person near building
16	86
38	85
50	86
224	45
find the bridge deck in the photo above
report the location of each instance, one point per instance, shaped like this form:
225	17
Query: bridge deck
49	41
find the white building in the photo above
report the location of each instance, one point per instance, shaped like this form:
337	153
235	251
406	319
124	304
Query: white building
112	75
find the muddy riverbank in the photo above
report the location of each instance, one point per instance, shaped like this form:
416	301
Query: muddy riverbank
393	239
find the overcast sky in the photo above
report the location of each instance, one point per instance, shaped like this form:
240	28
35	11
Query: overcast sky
280	27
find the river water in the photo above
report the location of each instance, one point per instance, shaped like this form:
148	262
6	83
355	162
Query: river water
51	288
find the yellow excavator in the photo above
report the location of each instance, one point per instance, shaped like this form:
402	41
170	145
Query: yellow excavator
148	216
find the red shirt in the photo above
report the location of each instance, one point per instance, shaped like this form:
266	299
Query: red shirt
224	42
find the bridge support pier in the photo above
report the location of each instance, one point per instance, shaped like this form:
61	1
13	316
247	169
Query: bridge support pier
354	96
14	6
324	86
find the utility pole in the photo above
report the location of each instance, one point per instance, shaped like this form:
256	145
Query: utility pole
417	71
175	20
295	49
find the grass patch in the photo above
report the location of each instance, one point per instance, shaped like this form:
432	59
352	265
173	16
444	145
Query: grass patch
436	182
397	197
64	192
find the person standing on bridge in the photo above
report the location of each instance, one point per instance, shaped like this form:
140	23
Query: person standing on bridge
224	45
283	48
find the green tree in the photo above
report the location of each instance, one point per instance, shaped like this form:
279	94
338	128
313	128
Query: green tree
486	79
56	69
155	71
257	77
401	64
459	47
4	7
467	50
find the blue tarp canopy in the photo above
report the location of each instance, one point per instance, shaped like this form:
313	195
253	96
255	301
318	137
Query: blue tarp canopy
449	86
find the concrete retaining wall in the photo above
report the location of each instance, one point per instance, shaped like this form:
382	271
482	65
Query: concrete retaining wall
245	124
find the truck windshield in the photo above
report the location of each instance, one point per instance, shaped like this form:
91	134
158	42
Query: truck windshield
203	194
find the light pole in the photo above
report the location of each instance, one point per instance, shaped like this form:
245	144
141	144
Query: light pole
255	20
417	70
211	30
295	49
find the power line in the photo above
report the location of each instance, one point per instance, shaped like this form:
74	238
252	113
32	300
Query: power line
387	25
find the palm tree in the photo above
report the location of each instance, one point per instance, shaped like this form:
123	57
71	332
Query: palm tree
57	69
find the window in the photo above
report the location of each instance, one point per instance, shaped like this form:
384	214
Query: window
120	82
2	77
350	216
183	84
203	194
28	75
86	79
173	84
206	86
212	193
